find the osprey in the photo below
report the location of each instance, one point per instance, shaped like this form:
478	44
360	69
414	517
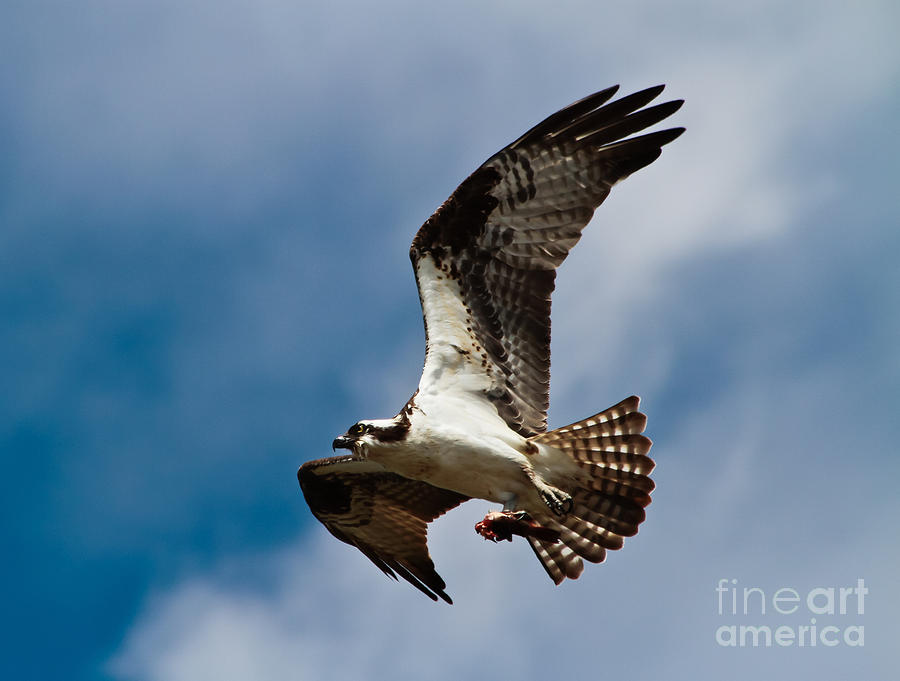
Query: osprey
476	427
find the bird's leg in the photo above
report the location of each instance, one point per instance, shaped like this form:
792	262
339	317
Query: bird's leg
500	525
557	501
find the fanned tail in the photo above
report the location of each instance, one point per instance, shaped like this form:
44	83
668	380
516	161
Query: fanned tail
611	494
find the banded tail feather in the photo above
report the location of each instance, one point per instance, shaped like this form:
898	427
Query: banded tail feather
558	560
611	493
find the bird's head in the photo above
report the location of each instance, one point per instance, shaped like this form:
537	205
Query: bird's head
365	434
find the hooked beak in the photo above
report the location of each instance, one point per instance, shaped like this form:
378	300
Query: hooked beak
342	442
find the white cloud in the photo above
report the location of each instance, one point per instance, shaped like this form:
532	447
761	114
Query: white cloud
737	177
331	615
725	508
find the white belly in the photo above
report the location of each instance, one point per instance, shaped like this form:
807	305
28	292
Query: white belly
483	461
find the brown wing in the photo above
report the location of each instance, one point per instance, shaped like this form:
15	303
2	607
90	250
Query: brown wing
496	242
382	514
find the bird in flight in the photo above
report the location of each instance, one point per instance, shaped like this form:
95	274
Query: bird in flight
476	427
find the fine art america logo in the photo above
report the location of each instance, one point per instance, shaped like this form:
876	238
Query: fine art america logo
823	616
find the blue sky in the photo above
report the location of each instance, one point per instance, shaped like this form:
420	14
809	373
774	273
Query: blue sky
205	211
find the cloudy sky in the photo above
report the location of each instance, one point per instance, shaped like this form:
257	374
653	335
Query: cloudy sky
205	211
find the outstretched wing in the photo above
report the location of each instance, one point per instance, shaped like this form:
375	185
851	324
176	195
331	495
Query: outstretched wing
485	261
382	514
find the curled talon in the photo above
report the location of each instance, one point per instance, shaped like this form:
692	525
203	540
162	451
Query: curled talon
557	501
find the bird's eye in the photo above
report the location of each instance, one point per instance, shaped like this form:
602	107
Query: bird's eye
358	429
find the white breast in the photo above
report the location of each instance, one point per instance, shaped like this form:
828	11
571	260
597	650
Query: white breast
459	443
